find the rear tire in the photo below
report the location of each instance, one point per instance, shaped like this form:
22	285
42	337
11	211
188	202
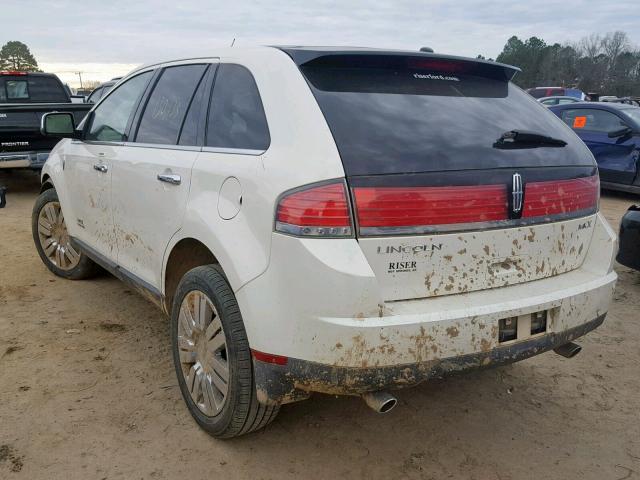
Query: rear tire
56	249
212	357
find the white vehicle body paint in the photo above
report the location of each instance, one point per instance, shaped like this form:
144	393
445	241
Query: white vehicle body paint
408	302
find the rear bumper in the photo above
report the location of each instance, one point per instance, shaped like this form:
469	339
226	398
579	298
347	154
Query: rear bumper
34	160
277	384
322	310
620	187
629	240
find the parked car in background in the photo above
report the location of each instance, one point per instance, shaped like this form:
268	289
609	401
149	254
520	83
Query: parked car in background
24	98
612	133
101	90
343	221
613	99
557	100
539	92
629	252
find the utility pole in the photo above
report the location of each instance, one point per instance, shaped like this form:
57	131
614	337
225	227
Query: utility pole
79	75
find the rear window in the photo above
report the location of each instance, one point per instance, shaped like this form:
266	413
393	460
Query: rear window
31	89
415	118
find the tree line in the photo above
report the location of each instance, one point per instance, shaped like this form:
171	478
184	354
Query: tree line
606	64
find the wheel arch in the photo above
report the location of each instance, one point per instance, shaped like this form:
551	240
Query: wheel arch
186	254
47	183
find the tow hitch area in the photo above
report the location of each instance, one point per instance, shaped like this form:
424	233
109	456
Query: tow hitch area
522	327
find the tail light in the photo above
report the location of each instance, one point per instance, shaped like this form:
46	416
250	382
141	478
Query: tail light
407	209
557	197
13	73
323	210
315	211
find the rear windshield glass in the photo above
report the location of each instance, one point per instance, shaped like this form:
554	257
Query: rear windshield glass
404	120
31	89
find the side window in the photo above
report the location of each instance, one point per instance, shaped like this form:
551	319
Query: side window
95	95
168	103
189	132
111	117
236	116
592	120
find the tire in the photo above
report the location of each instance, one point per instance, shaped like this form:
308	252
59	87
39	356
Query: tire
66	259
204	290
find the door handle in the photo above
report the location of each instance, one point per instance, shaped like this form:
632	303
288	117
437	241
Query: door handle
170	178
101	167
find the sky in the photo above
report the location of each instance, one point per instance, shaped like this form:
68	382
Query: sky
109	38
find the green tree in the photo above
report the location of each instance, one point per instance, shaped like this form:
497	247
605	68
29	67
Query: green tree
15	55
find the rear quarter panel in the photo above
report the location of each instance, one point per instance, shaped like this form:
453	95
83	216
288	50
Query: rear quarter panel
302	151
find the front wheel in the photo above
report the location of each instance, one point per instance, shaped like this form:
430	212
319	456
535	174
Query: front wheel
52	240
212	356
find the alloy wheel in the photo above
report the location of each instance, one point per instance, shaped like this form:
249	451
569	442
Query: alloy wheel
202	347
54	237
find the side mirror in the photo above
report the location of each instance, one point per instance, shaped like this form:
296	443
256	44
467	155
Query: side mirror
621	132
58	124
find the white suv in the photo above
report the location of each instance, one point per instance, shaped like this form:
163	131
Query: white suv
324	220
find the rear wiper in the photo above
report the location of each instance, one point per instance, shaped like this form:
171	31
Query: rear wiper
525	139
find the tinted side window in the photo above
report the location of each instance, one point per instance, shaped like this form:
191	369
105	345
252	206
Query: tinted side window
236	115
189	132
168	103
95	95
110	118
592	120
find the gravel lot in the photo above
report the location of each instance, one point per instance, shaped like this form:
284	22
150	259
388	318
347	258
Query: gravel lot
87	390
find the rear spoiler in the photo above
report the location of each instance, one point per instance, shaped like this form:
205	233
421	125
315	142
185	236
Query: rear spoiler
373	58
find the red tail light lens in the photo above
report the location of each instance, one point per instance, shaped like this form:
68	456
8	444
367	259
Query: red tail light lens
321	211
543	199
13	73
380	207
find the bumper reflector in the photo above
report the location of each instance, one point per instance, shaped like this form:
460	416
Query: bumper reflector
269	358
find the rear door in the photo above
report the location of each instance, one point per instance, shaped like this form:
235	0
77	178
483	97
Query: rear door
617	157
443	204
151	178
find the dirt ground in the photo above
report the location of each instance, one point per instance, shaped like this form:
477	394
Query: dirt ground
87	391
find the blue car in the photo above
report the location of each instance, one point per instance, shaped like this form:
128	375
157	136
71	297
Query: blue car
612	133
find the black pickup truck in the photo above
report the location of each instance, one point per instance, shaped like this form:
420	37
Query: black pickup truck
24	98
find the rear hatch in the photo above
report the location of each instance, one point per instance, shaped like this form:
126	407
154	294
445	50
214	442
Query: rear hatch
459	181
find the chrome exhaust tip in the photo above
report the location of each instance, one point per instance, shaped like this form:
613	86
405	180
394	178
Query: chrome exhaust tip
568	350
380	402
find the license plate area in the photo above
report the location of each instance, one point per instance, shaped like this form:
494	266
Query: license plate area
522	327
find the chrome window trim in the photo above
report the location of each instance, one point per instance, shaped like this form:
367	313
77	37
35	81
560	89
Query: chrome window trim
97	142
163	146
233	151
